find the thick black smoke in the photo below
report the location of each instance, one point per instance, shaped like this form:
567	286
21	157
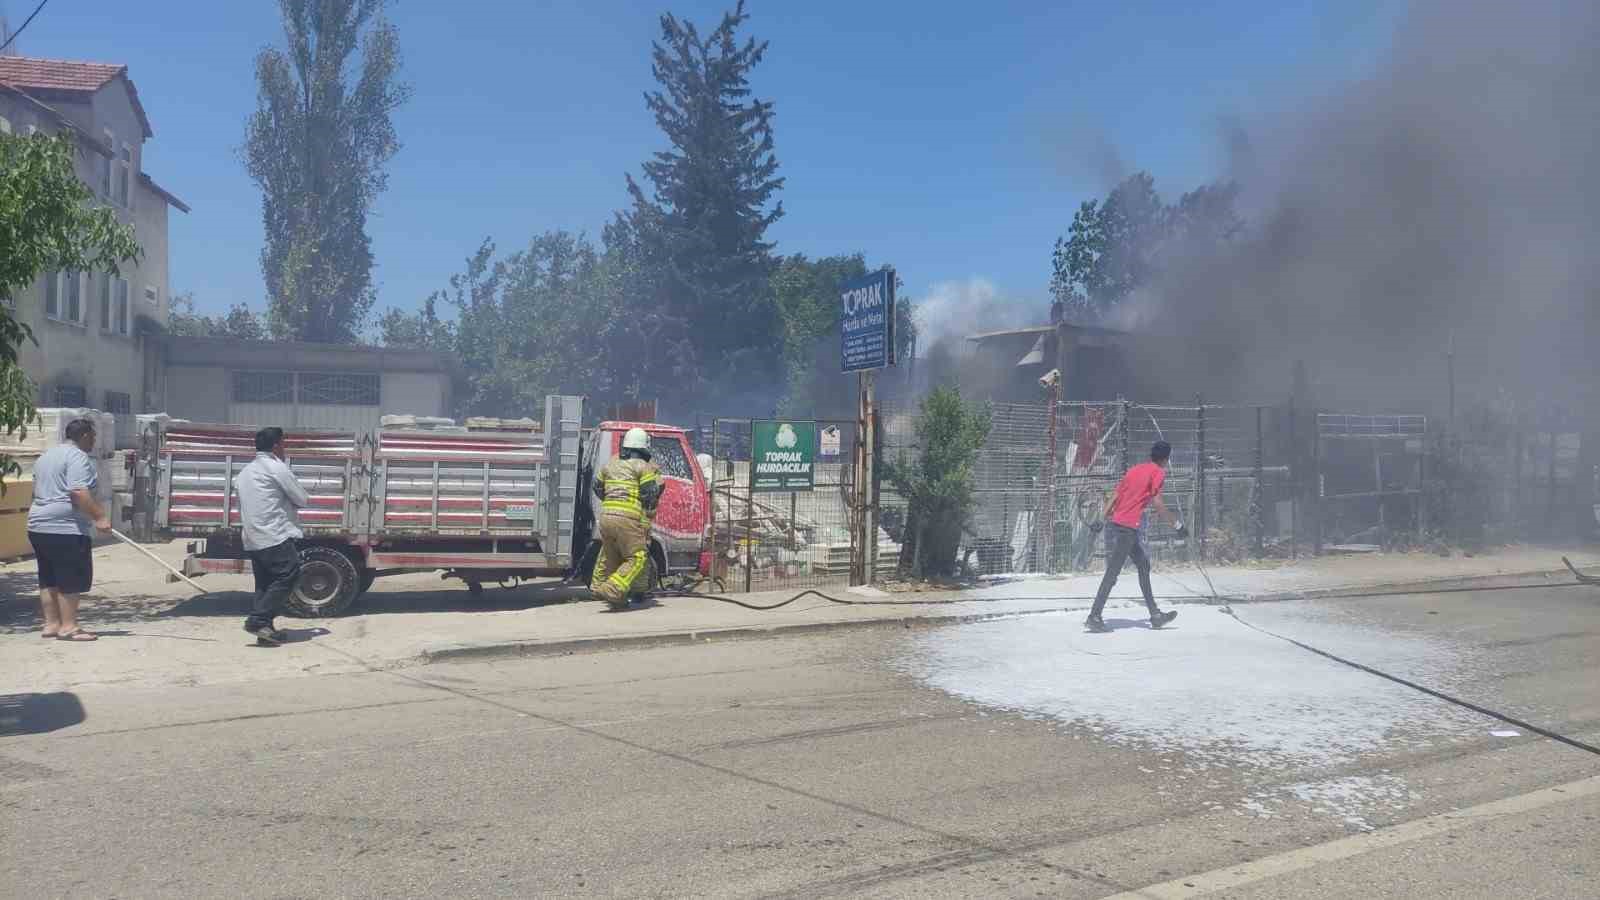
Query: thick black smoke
1452	196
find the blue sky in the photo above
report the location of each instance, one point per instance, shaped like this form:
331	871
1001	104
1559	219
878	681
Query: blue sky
955	147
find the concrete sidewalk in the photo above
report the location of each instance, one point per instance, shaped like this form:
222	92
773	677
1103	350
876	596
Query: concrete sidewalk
156	633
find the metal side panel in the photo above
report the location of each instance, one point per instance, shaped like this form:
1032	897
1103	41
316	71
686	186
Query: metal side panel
164	492
479	484
564	424
200	462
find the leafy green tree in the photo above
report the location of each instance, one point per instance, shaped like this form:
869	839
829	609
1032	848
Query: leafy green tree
1110	249
1206	218
806	292
239	322
421	330
938	484
46	223
1124	243
700	231
317	146
540	321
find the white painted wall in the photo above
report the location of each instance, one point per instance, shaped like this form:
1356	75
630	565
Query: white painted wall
86	354
202	394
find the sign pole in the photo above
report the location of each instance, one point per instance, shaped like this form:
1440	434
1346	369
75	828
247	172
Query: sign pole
867	343
869	496
750	516
858	548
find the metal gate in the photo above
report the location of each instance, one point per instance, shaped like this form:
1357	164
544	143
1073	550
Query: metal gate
778	541
1369	478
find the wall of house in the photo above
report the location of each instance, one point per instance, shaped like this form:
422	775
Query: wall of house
87	353
197	393
415	393
203	394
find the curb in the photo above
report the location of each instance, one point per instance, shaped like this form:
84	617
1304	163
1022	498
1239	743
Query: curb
684	638
536	648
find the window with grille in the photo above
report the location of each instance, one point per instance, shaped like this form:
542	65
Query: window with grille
66	297
103	164
72	395
75	298
124	174
52	295
339	388
119	403
263	387
119	322
105	303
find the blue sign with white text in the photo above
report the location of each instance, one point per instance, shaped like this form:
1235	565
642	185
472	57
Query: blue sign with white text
866	321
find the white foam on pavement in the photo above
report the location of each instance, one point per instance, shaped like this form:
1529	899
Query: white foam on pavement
1207	688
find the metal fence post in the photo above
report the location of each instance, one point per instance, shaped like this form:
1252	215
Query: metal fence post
1550	502
1297	481
1316	483
1258	507
750	513
1127	435
1200	474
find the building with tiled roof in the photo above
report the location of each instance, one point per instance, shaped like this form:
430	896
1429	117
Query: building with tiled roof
98	332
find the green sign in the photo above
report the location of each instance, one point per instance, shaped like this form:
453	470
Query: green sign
783	456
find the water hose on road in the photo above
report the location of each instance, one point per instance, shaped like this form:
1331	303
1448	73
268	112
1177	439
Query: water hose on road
1440	695
1583	580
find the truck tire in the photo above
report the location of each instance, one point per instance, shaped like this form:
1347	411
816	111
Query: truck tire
329	583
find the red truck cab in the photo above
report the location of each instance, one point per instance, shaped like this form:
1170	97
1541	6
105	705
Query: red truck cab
683	518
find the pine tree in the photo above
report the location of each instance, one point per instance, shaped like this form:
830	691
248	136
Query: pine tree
701	230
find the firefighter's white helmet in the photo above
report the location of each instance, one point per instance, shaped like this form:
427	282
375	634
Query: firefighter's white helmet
636	439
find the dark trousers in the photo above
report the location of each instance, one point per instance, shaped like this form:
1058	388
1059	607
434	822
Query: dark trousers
277	569
1122	544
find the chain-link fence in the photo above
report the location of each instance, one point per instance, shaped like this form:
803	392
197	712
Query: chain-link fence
1041	480
1254	481
770	541
1500	475
1369	479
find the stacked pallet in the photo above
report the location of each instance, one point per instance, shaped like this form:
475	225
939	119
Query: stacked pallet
435	424
50	430
515	426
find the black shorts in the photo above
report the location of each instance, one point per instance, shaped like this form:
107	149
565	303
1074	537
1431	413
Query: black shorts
65	561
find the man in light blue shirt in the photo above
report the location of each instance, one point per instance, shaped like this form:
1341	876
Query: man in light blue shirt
270	498
61	524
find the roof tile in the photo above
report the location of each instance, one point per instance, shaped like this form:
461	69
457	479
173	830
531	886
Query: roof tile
57	74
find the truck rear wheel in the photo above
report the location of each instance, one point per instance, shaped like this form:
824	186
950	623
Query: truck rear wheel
328	584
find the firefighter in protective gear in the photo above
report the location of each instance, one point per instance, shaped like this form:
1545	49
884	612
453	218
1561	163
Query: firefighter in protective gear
629	488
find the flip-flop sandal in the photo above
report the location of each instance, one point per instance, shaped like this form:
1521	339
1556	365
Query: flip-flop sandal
77	636
48	635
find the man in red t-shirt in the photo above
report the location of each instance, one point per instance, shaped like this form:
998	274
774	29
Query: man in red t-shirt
1123	514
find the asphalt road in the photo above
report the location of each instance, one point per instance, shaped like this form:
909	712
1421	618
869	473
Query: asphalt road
1014	758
